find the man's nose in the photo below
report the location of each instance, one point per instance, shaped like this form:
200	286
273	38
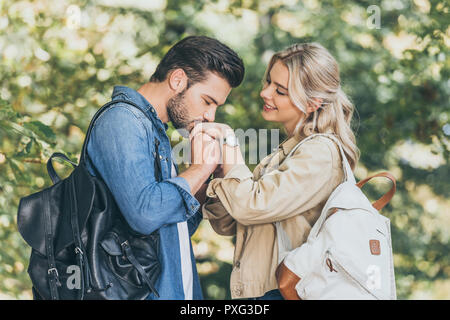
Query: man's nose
209	116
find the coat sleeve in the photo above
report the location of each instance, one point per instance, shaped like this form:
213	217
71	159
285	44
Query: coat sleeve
219	218
300	183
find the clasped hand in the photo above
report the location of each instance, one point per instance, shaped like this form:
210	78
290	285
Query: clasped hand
207	148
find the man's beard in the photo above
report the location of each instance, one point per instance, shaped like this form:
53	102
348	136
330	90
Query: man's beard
177	111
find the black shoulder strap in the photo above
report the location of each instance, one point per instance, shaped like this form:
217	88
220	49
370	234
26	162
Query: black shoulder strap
94	118
126	249
51	171
52	272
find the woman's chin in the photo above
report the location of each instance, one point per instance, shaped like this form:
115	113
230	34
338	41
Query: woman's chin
268	116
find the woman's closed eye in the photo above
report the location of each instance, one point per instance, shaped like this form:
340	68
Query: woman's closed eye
277	90
280	93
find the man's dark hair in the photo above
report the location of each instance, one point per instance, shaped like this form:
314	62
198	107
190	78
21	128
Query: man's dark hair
197	55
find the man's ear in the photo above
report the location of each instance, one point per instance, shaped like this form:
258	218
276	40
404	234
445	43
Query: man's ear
177	80
313	106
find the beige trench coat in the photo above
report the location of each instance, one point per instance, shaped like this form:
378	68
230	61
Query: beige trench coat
292	190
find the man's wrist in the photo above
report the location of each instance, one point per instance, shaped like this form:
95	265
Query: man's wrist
231	155
200	171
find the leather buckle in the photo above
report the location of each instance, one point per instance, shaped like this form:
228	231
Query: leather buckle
51	270
125	244
55	274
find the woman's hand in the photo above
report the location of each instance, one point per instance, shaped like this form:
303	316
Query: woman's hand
231	156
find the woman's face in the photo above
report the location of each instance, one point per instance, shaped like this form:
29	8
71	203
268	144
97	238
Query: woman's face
277	106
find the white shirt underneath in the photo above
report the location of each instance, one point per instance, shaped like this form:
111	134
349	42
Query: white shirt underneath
185	253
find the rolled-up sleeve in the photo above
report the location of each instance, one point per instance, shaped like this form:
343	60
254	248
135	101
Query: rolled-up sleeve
119	149
291	189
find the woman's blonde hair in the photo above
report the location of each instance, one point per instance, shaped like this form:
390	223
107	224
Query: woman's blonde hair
314	73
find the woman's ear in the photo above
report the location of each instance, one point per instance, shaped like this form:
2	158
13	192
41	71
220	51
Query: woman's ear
177	80
313	106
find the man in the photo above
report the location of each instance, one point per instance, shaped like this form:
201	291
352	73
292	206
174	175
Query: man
191	81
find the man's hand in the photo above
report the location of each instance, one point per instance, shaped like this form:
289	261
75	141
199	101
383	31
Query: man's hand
205	152
231	156
216	130
205	155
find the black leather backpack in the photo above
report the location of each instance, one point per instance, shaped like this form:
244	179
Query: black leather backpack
82	247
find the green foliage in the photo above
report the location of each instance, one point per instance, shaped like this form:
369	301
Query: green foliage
60	61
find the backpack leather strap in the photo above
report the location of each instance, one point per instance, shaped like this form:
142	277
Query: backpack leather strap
52	272
383	201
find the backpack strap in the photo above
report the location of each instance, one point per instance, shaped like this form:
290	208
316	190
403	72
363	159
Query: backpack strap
384	200
284	244
95	117
79	248
128	252
52	272
380	203
347	169
51	171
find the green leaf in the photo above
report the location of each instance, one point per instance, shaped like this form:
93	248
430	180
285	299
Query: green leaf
42	131
14	165
7	112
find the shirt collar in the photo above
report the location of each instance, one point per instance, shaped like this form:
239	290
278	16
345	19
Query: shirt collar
289	143
139	99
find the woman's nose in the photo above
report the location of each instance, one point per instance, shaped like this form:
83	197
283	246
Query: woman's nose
265	93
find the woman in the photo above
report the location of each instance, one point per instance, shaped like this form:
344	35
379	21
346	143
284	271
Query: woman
302	91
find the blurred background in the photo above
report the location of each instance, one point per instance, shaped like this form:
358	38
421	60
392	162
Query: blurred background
61	59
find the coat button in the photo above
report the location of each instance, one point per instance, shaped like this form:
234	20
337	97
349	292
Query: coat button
237	264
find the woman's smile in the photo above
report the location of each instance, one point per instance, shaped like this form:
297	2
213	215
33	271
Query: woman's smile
268	108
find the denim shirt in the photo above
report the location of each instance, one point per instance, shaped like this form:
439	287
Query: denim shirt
122	150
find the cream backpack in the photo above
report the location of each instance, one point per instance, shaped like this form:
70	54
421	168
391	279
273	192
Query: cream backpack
348	253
